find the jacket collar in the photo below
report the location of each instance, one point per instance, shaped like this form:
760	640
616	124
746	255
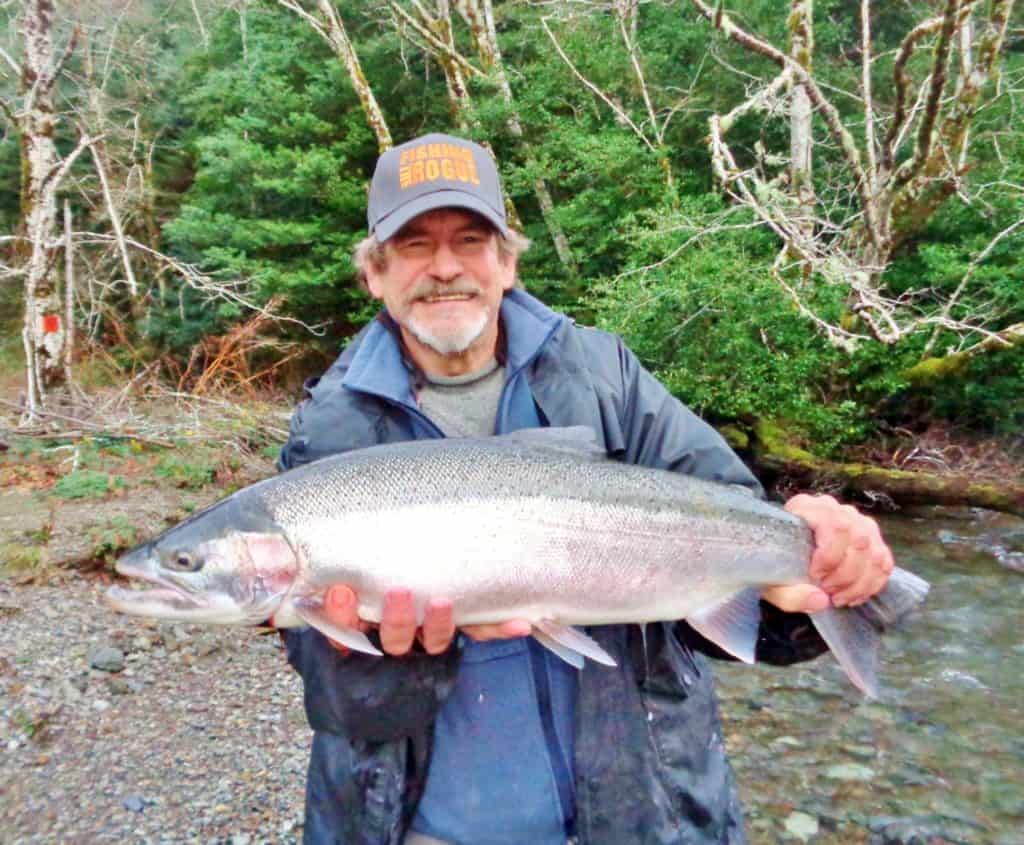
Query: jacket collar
378	365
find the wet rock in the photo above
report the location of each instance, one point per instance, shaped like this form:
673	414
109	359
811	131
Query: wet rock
862	752
1014	542
135	803
922	830
107	659
957	678
801	825
849	771
119	686
788	742
70	691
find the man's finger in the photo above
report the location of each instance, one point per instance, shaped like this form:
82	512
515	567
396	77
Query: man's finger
341	606
398	622
438	626
502	631
872	579
796	598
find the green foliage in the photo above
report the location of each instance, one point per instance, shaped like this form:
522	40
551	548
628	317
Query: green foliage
719	333
262	156
20	557
111	537
87	484
987	396
189	471
280	150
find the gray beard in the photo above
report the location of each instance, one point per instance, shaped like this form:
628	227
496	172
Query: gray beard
451	343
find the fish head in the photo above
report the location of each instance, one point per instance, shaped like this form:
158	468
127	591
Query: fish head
212	568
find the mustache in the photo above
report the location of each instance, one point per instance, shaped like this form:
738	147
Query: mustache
458	287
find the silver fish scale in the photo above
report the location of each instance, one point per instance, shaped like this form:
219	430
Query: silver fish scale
508	529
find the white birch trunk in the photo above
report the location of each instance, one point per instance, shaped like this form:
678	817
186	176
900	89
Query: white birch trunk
43	331
69	293
480	16
339	39
801	174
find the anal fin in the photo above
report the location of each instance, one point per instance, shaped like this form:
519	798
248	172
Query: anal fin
572	640
733	624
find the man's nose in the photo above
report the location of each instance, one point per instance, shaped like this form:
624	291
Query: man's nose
445	264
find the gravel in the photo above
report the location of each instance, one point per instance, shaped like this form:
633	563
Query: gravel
115	729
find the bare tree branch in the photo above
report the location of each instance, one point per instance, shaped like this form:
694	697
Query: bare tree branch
332	30
847	146
615	107
231	291
931	110
901	81
13	65
202	29
951	302
435	43
53	179
293	6
635	62
69	49
115	220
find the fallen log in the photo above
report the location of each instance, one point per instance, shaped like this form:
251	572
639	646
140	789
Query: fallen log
774	455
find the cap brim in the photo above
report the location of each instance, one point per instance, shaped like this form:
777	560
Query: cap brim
430	202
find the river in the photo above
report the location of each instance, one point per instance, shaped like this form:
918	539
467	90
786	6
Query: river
939	758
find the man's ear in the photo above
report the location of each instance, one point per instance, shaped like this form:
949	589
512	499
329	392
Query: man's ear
508	269
373	280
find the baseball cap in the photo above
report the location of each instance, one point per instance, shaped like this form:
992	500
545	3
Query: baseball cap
429	172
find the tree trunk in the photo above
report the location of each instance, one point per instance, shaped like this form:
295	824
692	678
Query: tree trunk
480	16
801	46
773	454
43	330
347	53
458	93
331	28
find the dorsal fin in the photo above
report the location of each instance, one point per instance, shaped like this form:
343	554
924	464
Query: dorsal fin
577	440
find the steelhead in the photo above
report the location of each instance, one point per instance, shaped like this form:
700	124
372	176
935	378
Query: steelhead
539	525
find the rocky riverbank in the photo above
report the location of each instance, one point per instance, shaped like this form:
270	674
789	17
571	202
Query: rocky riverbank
119	730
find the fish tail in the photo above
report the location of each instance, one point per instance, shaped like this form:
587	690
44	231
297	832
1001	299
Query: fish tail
854	634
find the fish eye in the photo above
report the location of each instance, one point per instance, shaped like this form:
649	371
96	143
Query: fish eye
184	562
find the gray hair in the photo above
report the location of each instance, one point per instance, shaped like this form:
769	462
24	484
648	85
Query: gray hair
370	252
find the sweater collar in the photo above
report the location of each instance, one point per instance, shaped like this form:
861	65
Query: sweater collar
380	367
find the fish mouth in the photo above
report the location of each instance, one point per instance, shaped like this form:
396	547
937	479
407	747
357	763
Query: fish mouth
141	597
141	601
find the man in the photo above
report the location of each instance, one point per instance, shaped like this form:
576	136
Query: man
481	736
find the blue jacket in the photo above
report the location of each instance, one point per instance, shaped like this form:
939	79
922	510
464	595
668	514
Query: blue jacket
649	761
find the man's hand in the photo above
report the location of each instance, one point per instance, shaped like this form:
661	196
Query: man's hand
851	561
398	629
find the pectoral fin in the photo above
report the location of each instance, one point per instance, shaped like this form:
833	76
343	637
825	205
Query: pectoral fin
310	611
733	624
573	658
550	634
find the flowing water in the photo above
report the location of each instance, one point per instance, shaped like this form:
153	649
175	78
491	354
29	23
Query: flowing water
939	758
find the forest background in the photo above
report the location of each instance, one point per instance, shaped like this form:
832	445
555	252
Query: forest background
805	218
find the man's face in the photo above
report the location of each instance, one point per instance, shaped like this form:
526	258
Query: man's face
443	283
